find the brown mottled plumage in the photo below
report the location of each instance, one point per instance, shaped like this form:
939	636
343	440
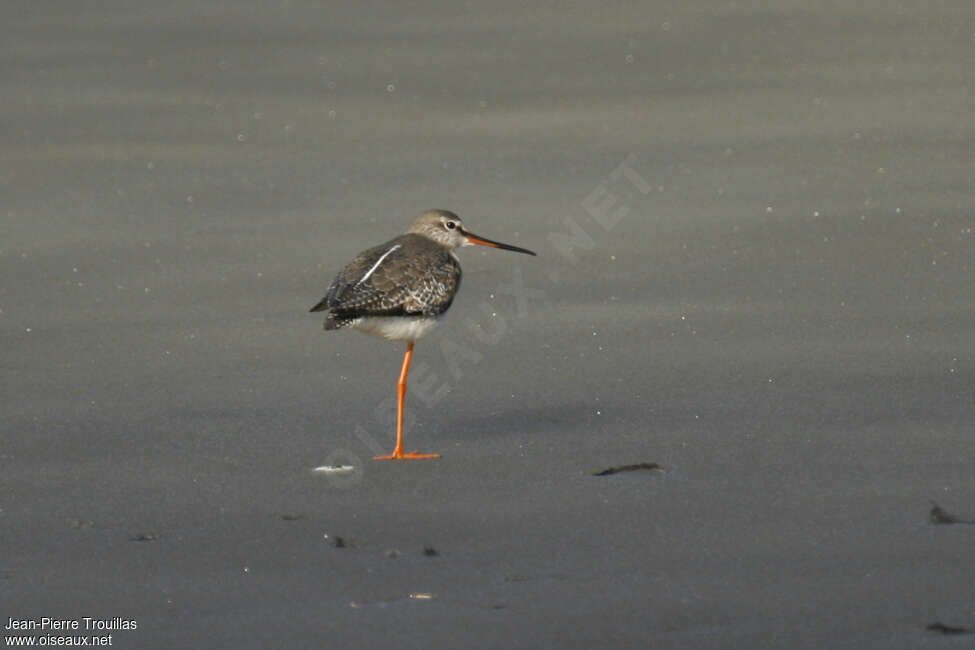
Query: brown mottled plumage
418	277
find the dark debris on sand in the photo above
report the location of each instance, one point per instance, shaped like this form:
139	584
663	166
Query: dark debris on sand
628	468
940	516
429	551
940	627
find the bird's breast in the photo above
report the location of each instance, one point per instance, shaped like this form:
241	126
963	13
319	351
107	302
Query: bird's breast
395	328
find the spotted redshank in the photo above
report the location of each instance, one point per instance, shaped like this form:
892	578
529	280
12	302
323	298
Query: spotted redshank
399	289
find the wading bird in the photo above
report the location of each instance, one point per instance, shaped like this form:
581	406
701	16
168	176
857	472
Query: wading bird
399	289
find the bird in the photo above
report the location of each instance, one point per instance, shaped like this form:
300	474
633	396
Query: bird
399	290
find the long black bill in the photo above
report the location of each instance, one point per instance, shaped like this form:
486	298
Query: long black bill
481	241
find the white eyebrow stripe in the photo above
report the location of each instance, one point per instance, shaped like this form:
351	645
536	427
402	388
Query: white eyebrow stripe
376	265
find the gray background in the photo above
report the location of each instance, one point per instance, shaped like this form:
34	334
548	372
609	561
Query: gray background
783	321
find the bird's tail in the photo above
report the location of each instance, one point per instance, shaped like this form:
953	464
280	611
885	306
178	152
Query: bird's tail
321	306
335	321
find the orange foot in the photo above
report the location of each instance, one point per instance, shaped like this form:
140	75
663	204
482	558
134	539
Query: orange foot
402	456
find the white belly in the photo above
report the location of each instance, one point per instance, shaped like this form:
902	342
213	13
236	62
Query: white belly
395	328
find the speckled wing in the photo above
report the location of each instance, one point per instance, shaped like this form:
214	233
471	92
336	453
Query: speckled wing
407	276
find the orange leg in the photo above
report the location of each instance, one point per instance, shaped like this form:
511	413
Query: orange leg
401	395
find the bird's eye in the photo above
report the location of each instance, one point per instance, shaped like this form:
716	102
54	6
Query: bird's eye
450	225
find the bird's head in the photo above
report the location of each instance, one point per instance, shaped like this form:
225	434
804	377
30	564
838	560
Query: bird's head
445	228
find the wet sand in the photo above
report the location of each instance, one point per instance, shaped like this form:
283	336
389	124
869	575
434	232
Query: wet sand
755	234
